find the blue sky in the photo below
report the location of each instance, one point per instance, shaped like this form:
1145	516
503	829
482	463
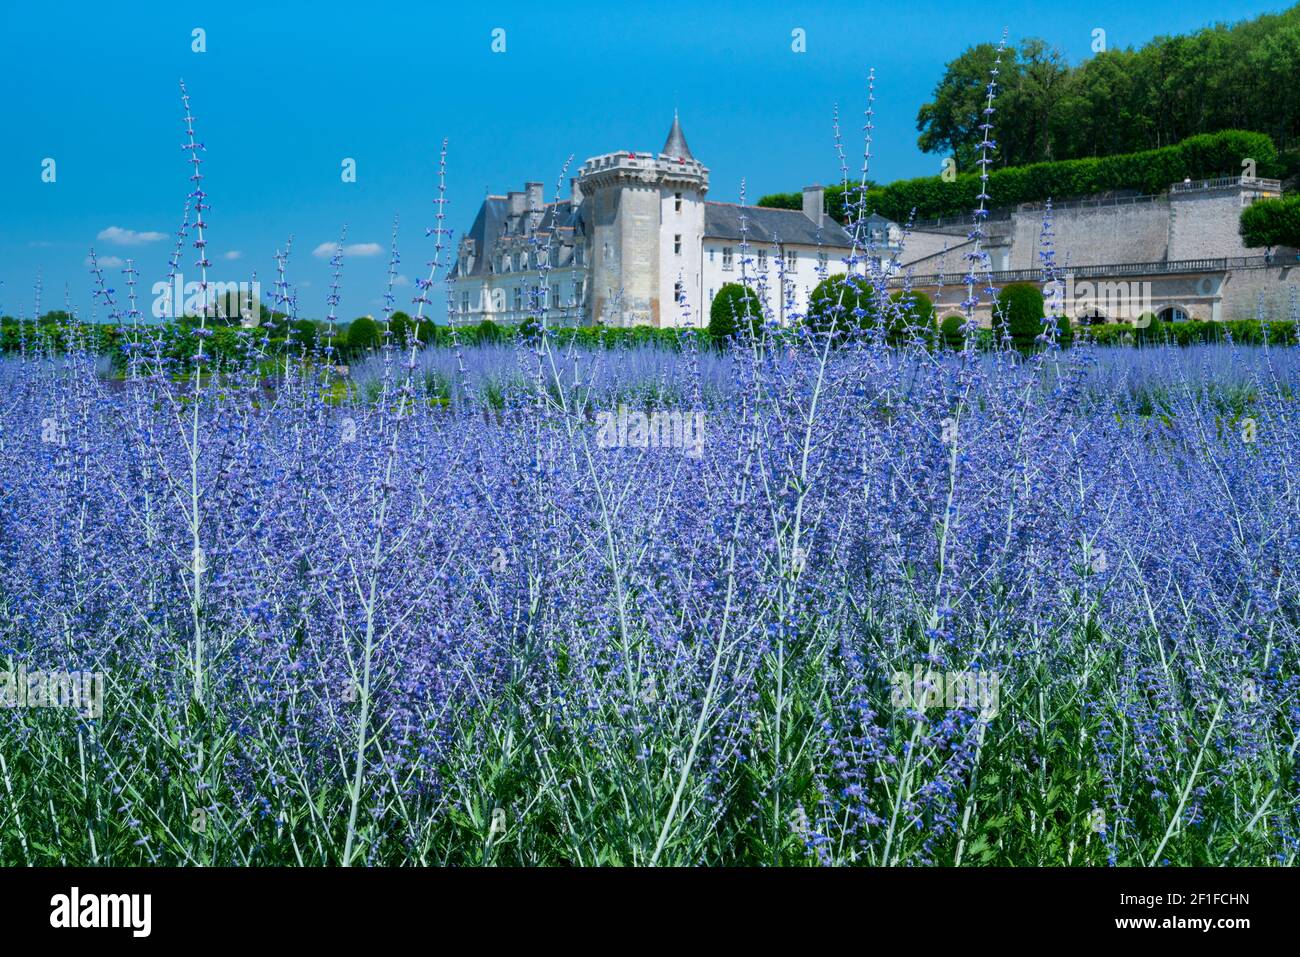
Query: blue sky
286	91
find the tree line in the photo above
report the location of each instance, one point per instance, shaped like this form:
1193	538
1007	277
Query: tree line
1239	76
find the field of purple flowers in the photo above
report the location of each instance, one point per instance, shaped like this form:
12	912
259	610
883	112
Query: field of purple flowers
452	624
483	607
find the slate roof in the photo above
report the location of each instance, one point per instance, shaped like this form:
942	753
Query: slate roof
764	225
493	224
675	146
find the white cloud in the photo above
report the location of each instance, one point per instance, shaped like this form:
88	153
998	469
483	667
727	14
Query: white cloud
402	281
233	254
128	237
326	250
106	262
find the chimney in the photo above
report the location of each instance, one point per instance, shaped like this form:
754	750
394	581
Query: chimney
535	199
575	192
814	203
517	203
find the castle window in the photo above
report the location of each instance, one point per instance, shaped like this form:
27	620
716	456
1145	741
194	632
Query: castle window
762	260
821	261
710	297
677	200
712	251
577	292
519	298
464	302
677	244
555	294
679	294
726	258
792	259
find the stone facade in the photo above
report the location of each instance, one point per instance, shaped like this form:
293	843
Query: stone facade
1178	255
637	243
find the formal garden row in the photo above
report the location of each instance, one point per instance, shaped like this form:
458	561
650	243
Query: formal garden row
839	309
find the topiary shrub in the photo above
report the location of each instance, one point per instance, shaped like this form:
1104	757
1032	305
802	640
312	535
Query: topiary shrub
950	331
841	304
530	330
400	326
1019	313
1064	330
363	334
304	332
733	304
1150	328
911	316
487	331
1271	222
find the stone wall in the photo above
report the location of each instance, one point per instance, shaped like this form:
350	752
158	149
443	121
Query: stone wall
1204	224
1243	289
1094	235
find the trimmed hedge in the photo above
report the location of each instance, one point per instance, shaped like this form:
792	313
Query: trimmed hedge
841	305
1272	222
1151	171
1249	332
732	305
911	316
950	331
1020	310
230	342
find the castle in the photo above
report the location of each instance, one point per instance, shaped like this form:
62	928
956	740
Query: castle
637	243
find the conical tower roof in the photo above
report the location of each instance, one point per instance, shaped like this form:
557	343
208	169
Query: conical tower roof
675	146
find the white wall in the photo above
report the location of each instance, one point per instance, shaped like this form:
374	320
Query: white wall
807	271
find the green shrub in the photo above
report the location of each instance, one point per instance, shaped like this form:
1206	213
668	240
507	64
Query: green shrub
733	304
363	335
950	330
1019	313
1064	329
400	326
1244	331
911	315
487	332
1151	171
304	332
1272	222
841	304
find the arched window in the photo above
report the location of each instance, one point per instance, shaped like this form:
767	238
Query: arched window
1173	314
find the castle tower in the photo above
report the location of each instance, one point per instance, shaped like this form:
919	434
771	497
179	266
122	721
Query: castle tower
645	218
